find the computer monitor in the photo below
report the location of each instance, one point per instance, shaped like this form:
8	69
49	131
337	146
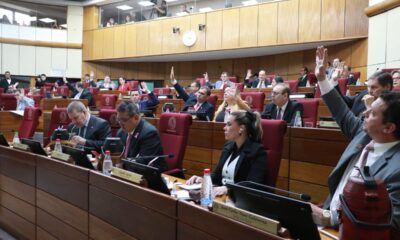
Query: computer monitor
79	156
295	215
3	140
151	174
147	113
114	145
34	146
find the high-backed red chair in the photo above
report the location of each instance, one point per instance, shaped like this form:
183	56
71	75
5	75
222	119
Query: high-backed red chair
356	75
254	99
310	112
134	85
174	132
45	89
37	99
161	91
94	91
110	115
274	131
63	91
396	89
293	85
59	118
233	79
201	80
29	122
239	86
8	101
49	84
212	99
312	79
108	101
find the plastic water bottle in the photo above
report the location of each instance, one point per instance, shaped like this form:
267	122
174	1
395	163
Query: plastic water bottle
206	189
297	120
57	147
107	164
16	138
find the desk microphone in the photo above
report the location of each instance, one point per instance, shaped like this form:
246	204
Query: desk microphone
154	158
301	196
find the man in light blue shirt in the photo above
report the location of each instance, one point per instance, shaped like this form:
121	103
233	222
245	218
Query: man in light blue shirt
22	100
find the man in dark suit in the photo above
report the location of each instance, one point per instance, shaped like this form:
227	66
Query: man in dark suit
7	83
140	138
282	107
202	106
81	93
260	82
382	126
149	103
190	99
303	79
88	131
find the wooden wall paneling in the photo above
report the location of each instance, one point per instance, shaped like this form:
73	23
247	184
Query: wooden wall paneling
230	28
101	230
108	42
248	26
288	21
216	67
185	231
309	59
44	235
117	69
342	51
87	46
363	73
267	63
267	24
16	225
119	42
157	69
282	64
18	206
198	154
172	42
305	172
185	71
98	36
240	66
309	20
198	69
282	183
90	17
142	38
131	70
214	30
102	69
295	63
284	168
155	37
144	71
359	53
332	19
195	20
356	23
130	40
317	192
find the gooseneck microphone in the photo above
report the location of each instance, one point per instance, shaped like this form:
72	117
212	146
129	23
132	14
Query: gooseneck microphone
301	196
153	157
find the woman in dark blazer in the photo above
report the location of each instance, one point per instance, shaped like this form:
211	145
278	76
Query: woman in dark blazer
243	158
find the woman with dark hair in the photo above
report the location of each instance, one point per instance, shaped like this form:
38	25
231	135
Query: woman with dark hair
243	157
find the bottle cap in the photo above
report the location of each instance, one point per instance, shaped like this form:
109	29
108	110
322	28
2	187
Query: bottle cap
57	140
207	170
108	152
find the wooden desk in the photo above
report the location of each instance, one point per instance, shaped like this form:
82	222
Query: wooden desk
50	103
9	122
306	90
354	90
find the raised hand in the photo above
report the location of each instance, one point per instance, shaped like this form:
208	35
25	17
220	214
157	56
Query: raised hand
144	87
321	62
248	75
206	77
172	75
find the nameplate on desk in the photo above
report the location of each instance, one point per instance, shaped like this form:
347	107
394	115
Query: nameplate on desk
254	220
21	146
60	156
328	124
126	175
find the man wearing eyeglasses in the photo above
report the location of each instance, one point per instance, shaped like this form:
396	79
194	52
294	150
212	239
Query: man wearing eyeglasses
140	138
202	106
396	78
282	107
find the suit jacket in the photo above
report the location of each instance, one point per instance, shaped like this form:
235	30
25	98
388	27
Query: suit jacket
150	103
4	84
218	84
355	103
254	83
145	141
206	107
386	168
190	99
97	131
289	114
85	95
303	80
250	166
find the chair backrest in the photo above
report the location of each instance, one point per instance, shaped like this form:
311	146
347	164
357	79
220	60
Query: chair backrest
310	113
174	132
233	79
1	90
312	79
274	131
108	101
161	91
37	99
342	85
45	89
254	99
356	75
8	101
212	99
94	91
239	86
63	91
29	122
293	85
201	80
110	115
59	117
134	85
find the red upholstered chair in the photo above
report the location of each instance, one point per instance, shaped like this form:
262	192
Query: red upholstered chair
317	92
174	131
356	75
134	85
161	91
270	77
29	122
254	99
312	79
396	89
108	101
59	118
201	80
37	99
110	115
1	90
63	91
274	131
233	79
293	85
343	85
49	84
8	101
212	99
310	112
239	86
94	91
45	89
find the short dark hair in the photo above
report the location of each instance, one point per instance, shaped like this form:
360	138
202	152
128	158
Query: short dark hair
278	79
87	75
384	79
305	69
43	74
129	107
198	85
7	72
395	71
208	90
392	112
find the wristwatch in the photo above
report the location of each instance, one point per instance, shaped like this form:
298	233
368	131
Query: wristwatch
327	215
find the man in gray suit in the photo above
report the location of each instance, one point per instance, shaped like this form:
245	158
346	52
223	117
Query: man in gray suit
381	128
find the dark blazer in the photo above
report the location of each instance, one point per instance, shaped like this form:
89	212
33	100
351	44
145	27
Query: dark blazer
386	168
190	99
97	131
150	103
288	115
254	83
250	166
206	107
40	84
85	95
145	141
303	80
4	84
355	103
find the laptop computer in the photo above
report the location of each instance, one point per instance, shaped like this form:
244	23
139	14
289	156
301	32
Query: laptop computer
34	146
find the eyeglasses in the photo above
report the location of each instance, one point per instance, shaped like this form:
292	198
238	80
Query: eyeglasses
275	93
123	120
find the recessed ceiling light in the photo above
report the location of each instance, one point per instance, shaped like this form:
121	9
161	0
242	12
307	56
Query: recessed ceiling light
206	9
146	3
124	7
47	20
250	2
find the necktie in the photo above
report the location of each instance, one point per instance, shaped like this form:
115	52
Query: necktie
279	115
363	159
262	84
128	142
82	132
196	107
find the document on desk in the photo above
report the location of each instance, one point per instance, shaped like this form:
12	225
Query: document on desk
190	187
19	113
